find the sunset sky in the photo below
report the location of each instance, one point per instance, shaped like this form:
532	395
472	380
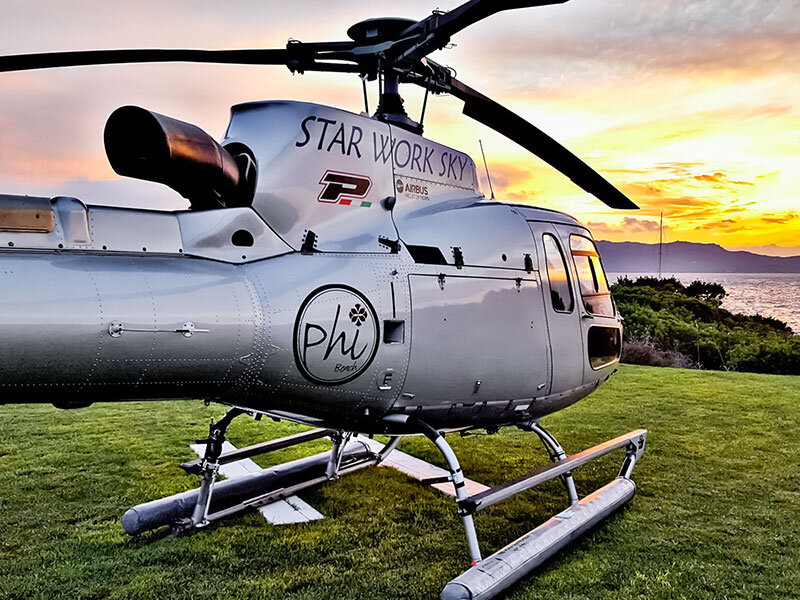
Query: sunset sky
691	107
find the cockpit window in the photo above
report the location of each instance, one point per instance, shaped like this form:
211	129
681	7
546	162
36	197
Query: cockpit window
592	278
560	289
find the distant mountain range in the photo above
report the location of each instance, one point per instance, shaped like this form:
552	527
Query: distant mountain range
689	257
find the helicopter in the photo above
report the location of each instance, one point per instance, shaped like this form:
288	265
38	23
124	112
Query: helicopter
333	269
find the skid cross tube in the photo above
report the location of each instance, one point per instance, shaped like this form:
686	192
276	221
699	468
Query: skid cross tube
347	457
633	442
208	467
352	458
456	476
556	453
194	466
252	490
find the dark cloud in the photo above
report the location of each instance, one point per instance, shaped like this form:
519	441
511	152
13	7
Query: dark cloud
630	226
720	177
606	39
722	225
780	219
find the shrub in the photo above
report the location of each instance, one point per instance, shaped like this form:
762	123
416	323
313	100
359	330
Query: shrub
642	350
669	324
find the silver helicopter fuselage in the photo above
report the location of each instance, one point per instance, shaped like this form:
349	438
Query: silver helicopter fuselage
368	276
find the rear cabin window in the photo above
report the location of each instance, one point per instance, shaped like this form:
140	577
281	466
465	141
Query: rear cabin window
560	288
591	277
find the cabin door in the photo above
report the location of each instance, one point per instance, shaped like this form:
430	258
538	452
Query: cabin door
561	308
475	340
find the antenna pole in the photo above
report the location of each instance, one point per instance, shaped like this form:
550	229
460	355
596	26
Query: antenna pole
486	166
660	242
366	97
424	105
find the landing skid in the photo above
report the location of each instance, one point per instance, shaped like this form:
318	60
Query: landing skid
212	501
486	578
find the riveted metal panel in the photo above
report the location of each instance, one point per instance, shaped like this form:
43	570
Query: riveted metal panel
484	233
128	230
69	219
159	303
78	227
323	356
181	327
476	340
50	324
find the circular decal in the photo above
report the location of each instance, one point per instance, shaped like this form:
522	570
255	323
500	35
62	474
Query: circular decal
335	335
399	186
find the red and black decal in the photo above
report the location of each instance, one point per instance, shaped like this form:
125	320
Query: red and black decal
343	188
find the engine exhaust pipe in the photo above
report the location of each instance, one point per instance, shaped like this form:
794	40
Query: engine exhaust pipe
146	145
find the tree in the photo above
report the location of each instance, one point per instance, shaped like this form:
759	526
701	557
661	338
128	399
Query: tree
708	292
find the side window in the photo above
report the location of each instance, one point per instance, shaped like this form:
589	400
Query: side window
560	289
591	277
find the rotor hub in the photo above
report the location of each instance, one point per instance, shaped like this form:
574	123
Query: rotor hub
380	29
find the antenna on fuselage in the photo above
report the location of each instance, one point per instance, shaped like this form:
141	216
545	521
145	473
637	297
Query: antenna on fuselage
486	166
366	96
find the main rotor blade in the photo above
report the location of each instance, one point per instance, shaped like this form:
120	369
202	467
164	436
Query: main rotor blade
490	113
49	60
438	28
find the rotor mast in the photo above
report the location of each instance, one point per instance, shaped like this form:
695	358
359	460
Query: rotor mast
382	34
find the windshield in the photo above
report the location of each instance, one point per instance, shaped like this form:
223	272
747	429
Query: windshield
591	277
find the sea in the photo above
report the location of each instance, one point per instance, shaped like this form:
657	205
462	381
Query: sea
775	295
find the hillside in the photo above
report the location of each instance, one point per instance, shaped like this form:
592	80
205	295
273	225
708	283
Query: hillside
690	257
714	516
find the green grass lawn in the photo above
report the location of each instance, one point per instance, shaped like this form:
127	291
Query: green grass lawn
716	515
